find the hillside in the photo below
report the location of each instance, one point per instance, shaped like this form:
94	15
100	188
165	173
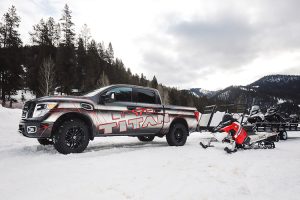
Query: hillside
285	87
267	91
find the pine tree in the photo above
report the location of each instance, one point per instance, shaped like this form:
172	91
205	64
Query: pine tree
38	34
110	54
118	72
10	55
67	27
10	36
45	37
66	68
174	97
81	69
53	32
66	59
2	31
45	33
101	50
154	83
93	67
143	80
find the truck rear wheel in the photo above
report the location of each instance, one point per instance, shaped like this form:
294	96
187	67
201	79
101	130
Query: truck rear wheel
72	137
177	135
45	141
283	135
146	138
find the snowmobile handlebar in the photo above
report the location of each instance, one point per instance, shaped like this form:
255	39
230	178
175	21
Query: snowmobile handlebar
220	126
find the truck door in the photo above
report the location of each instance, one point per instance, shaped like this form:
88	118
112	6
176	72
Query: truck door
115	112
150	109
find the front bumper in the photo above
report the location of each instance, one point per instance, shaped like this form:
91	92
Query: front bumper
35	129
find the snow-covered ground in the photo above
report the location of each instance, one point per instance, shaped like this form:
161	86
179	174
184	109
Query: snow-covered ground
124	168
20	97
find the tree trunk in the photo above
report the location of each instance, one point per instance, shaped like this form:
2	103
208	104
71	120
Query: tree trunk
3	97
2	92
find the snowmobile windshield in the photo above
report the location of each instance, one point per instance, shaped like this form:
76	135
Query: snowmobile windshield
226	118
254	112
272	110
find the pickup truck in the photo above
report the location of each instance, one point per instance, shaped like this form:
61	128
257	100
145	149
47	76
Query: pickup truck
70	122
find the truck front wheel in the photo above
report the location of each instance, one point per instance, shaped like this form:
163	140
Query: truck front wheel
72	137
177	135
146	138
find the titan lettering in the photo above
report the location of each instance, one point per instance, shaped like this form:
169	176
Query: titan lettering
134	123
122	126
149	121
107	127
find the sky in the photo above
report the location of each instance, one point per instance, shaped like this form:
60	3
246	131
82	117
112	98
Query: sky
205	44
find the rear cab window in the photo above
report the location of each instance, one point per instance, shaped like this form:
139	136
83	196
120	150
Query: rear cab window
145	96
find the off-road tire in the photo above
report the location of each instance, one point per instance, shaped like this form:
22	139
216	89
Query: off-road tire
283	135
45	141
146	138
177	135
72	137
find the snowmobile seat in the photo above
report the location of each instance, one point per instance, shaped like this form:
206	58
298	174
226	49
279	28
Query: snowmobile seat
249	129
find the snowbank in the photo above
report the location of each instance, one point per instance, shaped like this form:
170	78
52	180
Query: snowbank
124	168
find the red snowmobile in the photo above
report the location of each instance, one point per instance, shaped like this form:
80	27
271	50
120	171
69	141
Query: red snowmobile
235	134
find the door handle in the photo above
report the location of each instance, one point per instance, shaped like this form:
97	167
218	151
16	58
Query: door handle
131	107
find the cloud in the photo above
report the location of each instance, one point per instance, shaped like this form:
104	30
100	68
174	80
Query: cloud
232	46
224	42
193	43
193	49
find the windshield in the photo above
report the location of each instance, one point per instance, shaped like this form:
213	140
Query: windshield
94	92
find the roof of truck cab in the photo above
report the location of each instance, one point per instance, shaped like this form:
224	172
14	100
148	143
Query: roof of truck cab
136	86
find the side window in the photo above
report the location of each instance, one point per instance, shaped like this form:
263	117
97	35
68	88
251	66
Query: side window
145	96
121	94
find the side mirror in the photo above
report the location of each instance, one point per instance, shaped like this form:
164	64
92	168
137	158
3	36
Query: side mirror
112	96
108	98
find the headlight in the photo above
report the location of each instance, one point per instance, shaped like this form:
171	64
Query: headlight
42	109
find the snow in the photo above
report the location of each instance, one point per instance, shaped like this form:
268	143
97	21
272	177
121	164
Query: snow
280	101
205	92
26	93
124	168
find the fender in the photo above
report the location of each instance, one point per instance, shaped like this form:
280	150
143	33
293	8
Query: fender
80	115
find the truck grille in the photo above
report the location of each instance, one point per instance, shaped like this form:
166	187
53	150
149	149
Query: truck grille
28	109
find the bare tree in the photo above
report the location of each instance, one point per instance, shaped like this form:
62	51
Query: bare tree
47	77
164	94
103	80
85	34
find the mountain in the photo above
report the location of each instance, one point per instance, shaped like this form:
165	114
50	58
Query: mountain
267	91
202	92
285	87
